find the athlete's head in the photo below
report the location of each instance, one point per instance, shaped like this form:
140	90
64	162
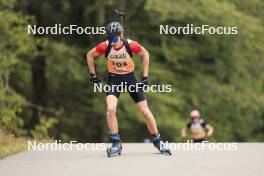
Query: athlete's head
115	33
195	114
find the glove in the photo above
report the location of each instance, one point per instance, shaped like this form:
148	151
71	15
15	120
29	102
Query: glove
94	79
144	81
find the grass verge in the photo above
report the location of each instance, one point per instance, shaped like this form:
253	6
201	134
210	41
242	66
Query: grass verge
9	144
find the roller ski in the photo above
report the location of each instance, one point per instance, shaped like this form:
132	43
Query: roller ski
160	146
116	148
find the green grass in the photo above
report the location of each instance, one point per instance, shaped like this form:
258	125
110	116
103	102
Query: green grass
9	144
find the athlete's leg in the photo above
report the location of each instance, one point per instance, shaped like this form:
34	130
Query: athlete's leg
149	118
152	127
111	103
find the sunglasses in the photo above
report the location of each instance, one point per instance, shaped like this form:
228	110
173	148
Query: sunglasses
115	39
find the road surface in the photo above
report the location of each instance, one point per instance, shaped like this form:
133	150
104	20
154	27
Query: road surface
137	159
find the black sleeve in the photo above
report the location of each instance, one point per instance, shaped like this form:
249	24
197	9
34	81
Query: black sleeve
203	123
189	125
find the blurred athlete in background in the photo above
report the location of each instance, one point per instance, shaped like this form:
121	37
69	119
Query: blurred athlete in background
198	127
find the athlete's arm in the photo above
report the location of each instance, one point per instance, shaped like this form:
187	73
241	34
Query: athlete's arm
93	53
210	129
90	60
185	129
145	58
184	132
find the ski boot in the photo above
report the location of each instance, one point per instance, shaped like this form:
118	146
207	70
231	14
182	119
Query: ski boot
159	145
116	146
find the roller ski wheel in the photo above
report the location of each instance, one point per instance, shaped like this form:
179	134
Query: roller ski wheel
165	150
114	150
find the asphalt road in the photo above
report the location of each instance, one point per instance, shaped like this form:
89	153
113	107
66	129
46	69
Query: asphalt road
137	159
